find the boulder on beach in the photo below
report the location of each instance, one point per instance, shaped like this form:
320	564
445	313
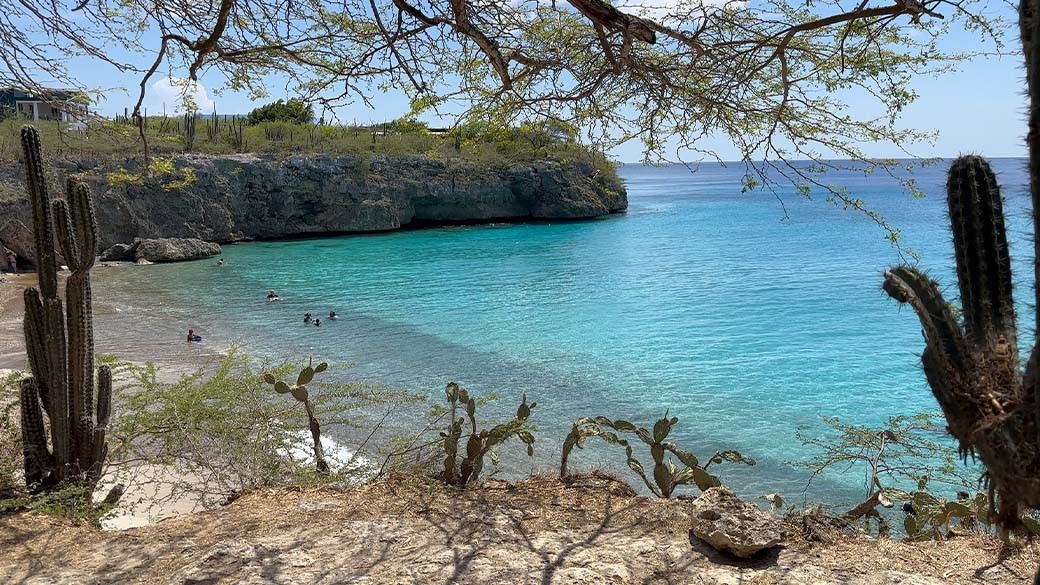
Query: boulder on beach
18	238
118	252
732	525
173	249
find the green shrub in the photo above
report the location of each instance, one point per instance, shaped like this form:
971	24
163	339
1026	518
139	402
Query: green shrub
294	111
221	423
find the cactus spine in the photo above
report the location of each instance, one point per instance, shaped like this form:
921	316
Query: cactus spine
60	344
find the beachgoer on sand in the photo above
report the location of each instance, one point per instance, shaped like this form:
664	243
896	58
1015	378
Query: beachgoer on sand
12	262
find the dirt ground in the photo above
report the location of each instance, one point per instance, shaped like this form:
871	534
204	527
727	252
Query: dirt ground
411	531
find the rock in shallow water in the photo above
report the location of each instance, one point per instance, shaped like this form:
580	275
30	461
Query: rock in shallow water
174	249
117	253
730	524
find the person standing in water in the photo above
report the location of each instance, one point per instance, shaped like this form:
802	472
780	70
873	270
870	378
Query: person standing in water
191	335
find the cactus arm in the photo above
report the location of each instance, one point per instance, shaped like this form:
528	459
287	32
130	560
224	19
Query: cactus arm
85	222
981	250
58	385
66	233
908	285
34	439
104	409
81	364
1029	23
34	326
43	235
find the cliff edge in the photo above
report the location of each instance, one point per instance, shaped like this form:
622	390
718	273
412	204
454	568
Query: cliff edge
227	198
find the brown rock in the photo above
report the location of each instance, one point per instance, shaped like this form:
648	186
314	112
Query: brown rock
174	249
730	524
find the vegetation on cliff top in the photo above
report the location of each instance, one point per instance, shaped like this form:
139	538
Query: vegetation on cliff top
481	143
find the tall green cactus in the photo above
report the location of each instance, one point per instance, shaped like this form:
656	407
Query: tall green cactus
60	346
972	366
992	406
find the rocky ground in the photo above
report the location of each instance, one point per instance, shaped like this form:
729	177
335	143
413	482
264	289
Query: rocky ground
411	531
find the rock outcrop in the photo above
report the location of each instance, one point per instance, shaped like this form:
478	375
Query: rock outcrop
732	525
173	249
248	196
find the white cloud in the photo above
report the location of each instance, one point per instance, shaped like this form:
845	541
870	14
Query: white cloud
177	95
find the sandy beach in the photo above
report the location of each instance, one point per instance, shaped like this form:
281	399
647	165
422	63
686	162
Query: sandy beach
150	495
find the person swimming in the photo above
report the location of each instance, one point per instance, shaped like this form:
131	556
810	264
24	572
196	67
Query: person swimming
272	296
192	337
307	318
221	263
333	316
317	322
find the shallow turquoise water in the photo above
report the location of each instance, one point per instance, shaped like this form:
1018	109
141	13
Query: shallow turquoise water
700	299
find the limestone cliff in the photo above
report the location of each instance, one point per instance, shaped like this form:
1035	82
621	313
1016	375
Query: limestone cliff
240	197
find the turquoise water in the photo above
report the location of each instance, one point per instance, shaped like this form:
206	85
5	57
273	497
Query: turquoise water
702	300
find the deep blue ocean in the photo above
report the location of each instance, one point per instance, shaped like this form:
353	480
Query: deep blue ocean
702	300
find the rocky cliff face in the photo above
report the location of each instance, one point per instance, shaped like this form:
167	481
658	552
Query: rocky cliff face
241	197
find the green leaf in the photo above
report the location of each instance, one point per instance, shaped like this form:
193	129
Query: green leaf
305	376
958	510
664	479
703	479
661	429
624	426
897	495
524	411
688	459
911	525
281	387
300	393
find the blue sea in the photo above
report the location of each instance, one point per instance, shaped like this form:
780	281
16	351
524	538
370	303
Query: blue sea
746	321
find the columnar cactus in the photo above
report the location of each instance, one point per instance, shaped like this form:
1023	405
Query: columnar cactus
992	406
60	346
972	366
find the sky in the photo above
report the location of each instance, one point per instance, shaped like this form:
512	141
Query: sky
978	108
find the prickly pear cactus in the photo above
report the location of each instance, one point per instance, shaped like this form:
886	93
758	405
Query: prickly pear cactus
59	342
299	392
